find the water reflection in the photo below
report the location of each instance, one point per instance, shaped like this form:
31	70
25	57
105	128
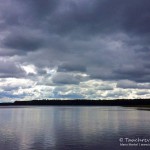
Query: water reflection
58	128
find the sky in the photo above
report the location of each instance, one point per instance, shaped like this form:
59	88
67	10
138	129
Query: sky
74	49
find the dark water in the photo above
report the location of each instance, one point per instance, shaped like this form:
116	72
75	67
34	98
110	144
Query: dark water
71	128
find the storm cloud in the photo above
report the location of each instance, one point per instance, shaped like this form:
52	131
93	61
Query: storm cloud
71	42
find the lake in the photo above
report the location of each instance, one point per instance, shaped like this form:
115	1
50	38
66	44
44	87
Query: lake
74	128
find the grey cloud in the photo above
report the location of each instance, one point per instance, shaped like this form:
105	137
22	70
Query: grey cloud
8	52
133	72
99	61
137	17
126	84
10	88
21	13
105	88
102	17
105	39
65	78
71	68
42	71
10	69
143	93
22	42
40	10
82	17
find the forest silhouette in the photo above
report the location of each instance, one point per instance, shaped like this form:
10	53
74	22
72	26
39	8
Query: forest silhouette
82	102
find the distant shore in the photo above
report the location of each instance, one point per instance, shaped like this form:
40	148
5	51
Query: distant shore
117	102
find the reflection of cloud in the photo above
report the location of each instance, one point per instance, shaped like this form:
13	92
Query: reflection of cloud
27	124
100	123
64	127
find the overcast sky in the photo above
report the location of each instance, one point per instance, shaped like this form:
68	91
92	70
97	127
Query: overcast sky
96	49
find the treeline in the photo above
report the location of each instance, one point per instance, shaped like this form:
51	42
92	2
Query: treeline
78	102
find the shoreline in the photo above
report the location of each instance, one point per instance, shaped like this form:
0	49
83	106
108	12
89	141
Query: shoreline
125	103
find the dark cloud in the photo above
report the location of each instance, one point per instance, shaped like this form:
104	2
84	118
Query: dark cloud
65	78
81	17
9	69
39	10
136	18
99	17
88	17
104	39
75	21
22	42
126	84
71	68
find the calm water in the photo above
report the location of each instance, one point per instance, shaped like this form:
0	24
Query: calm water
71	128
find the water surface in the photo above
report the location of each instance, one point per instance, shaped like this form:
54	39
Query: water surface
71	128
